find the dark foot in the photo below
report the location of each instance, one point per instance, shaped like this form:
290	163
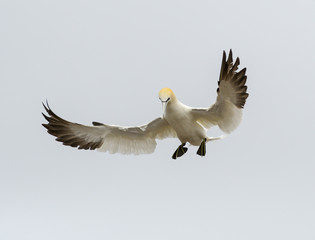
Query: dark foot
180	151
202	148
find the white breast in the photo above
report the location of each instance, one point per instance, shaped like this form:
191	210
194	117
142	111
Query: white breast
180	118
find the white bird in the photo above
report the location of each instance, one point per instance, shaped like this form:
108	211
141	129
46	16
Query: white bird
186	123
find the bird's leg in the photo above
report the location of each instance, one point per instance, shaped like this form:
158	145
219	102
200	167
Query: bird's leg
180	151
202	148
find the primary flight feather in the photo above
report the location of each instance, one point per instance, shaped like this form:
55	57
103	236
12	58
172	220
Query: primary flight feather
178	120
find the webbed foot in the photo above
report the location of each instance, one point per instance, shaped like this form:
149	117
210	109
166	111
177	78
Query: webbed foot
202	148
180	151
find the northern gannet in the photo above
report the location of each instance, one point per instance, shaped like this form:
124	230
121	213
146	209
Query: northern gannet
188	124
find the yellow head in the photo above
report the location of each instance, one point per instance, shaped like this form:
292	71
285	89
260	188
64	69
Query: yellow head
166	94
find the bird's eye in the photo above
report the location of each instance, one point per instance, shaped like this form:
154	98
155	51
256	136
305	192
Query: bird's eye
167	99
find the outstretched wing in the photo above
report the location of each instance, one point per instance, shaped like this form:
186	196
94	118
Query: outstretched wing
114	139
232	95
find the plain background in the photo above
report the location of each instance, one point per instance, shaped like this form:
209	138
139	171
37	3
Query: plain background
106	61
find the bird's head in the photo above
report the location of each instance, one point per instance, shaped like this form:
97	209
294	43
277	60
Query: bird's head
166	96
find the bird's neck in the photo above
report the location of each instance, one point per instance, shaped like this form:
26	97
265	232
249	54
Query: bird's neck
173	108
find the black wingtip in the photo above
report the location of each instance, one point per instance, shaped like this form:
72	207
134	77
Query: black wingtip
47	108
224	55
230	57
47	104
97	124
46	117
237	61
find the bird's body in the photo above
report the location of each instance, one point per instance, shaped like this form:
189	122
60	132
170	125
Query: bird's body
180	118
188	124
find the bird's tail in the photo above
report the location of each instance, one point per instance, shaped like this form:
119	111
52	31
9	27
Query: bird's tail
215	138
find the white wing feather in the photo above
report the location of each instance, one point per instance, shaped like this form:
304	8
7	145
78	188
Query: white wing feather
114	139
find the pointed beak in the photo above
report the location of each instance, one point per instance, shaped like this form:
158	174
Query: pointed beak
164	103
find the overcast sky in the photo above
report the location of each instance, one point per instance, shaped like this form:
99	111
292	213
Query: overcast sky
106	61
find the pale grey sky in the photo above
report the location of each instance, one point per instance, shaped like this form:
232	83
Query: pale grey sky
106	61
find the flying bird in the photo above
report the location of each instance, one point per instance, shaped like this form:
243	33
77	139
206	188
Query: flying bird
187	124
